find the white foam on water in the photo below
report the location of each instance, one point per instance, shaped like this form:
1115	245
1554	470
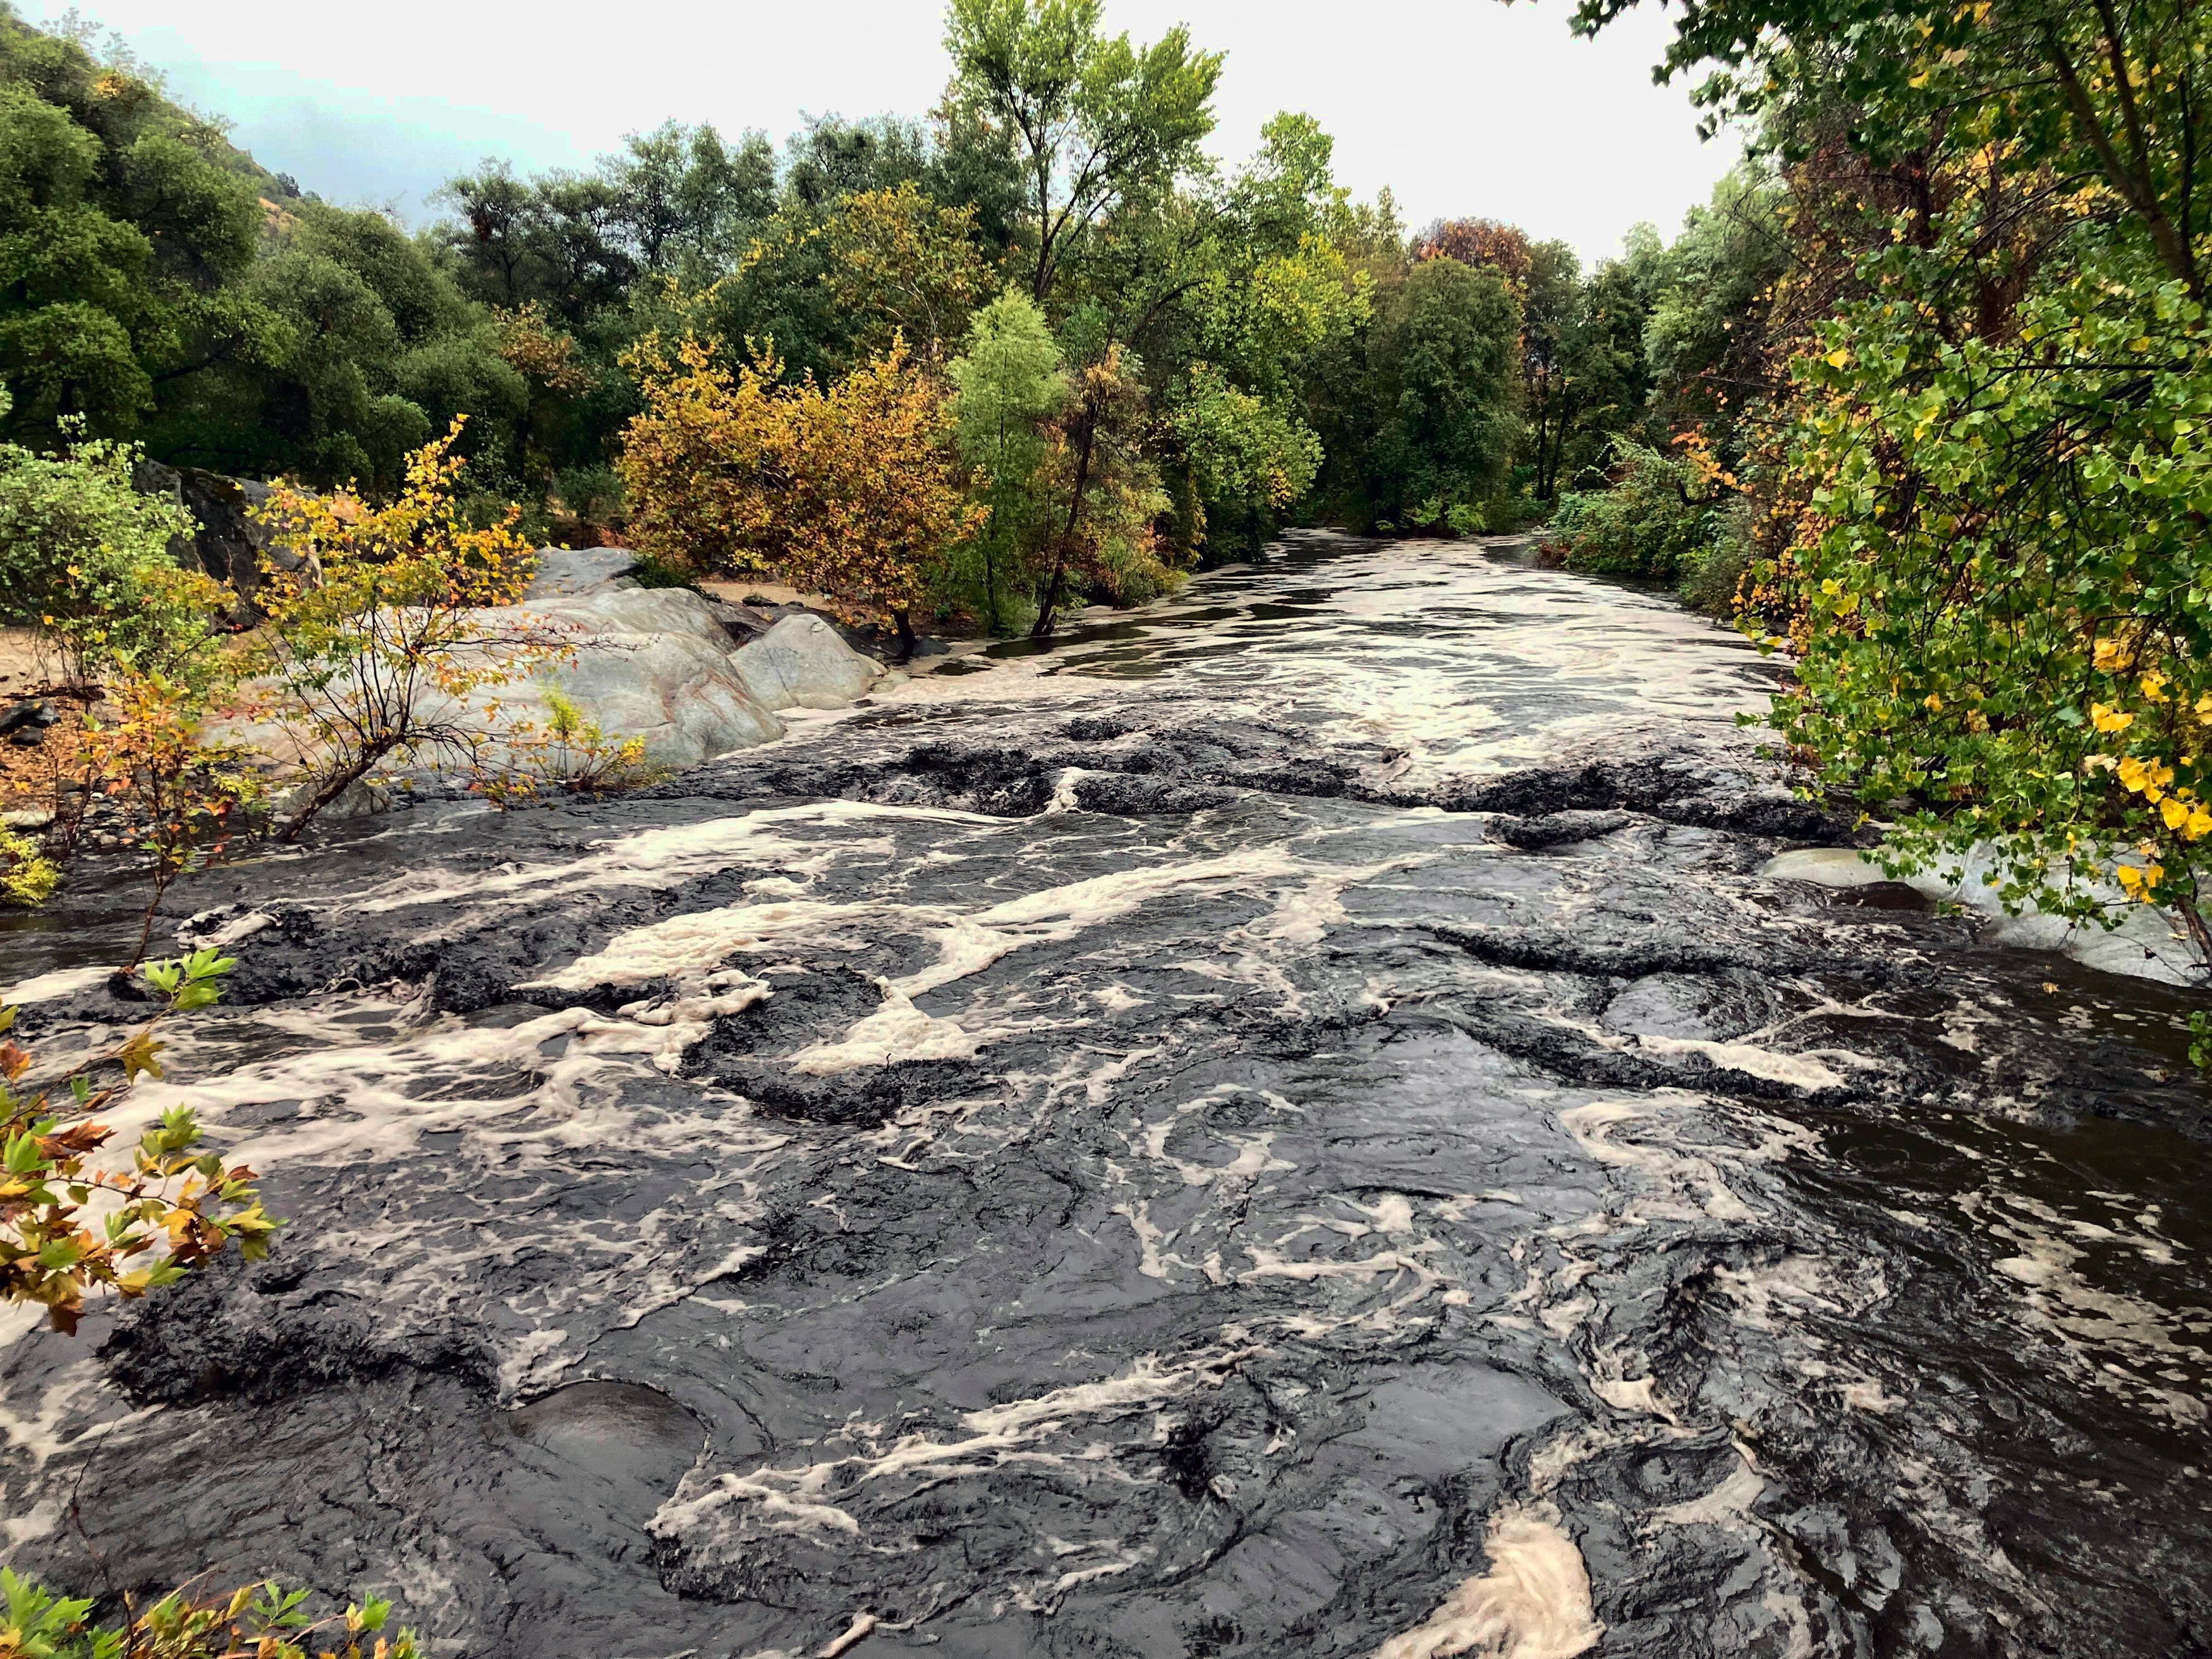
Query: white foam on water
698	941
664	857
1727	1506
966	942
62	983
715	1518
895	1032
1533	1603
1685	1179
2124	1342
1799	1071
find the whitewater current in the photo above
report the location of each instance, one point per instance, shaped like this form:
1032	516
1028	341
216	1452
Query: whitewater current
1288	1123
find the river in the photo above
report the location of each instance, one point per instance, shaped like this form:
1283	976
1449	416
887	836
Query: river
1289	1123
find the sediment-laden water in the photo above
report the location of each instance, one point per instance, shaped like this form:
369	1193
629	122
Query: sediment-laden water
1287	1125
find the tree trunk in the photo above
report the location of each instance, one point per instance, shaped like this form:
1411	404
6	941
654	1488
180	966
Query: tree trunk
1042	629
330	789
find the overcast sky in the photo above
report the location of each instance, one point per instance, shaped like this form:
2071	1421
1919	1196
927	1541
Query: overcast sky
1461	107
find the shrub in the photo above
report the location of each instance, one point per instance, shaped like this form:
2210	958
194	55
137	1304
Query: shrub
85	559
1648	525
28	876
183	797
379	636
1714	584
653	570
849	489
569	752
263	1620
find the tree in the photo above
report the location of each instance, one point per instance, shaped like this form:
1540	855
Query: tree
1010	384
2096	93
1710	337
848	490
681	199
871	505
383	628
1422	408
124	241
1096	121
911	268
1986	503
1110	493
701	464
833	158
1482	243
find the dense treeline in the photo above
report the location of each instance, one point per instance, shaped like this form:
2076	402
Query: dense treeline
1917	397
1141	359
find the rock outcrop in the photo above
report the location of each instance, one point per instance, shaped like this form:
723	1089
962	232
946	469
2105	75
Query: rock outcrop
803	663
229	545
694	677
651	663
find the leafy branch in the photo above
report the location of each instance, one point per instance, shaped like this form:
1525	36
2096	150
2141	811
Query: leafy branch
69	1226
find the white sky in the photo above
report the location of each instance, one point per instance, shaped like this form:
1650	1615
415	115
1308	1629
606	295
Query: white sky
1463	107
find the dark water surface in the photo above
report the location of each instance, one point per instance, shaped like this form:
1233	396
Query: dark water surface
1287	1125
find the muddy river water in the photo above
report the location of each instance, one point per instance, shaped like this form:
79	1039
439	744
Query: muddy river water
1289	1124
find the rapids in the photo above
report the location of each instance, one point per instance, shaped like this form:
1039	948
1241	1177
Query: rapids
1286	1124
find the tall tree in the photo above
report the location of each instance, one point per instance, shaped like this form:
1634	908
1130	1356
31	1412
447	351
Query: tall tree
1011	385
1096	120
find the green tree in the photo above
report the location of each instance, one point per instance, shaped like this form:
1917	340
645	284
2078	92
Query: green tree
1421	410
1104	539
1011	384
1990	496
1096	122
683	201
121	234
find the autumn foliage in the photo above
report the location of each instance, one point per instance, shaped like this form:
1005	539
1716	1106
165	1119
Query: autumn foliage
71	1225
849	489
381	652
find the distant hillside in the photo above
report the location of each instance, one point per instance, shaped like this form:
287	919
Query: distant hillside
158	283
75	55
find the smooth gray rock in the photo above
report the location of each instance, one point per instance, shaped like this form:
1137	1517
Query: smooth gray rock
803	663
651	663
566	572
2146	944
662	664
